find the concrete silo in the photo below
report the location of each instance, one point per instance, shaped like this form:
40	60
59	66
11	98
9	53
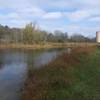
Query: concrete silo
98	37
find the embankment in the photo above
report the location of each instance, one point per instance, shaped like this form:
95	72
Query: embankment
71	76
46	45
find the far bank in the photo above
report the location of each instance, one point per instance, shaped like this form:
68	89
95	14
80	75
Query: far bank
46	45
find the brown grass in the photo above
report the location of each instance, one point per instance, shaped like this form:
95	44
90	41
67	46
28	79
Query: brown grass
53	76
46	45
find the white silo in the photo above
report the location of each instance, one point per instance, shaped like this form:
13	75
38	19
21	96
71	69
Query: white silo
98	37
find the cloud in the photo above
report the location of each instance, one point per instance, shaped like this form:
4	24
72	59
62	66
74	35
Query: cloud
67	15
14	4
52	15
77	15
94	19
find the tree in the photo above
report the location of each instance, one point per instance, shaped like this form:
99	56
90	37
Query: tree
66	37
28	33
78	38
60	36
50	37
5	34
41	36
16	35
31	34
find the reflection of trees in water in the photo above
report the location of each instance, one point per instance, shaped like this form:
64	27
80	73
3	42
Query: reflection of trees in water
1	64
31	54
1	59
35	58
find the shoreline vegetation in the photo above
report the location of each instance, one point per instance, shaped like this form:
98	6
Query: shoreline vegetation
71	76
33	37
46	45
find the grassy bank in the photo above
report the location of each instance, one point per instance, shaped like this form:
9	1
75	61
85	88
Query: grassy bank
45	45
71	76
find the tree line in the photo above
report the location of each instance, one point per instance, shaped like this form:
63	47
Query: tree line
32	35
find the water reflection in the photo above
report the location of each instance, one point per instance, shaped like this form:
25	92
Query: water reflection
14	66
44	58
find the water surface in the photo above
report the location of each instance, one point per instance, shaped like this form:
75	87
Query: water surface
14	65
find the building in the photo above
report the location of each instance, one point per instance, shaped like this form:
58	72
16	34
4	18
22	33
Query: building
98	37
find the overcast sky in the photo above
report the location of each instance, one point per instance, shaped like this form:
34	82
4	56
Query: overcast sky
73	16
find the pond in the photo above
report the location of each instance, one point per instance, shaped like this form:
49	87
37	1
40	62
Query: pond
14	66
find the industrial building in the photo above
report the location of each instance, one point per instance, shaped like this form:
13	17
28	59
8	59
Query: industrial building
98	37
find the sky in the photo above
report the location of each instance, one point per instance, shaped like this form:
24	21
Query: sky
72	16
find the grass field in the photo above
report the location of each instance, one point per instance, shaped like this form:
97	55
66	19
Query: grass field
71	76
